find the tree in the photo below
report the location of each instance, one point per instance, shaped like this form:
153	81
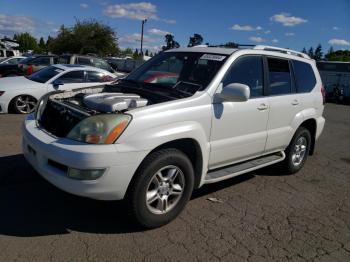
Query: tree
42	46
304	51
26	42
127	52
170	42
146	53
318	53
196	39
311	52
231	45
88	36
137	54
339	55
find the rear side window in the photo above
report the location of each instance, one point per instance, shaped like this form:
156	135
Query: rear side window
247	70
93	76
279	76
9	53
304	76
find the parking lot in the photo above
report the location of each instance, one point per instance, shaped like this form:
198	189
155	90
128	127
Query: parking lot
262	216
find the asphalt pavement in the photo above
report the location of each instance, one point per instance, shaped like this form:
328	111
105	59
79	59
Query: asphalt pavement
265	215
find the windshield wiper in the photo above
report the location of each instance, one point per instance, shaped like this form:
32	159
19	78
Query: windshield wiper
187	83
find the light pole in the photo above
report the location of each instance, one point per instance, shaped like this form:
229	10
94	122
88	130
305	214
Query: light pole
143	23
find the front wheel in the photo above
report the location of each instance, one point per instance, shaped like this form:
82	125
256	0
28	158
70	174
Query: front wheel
162	186
24	104
298	150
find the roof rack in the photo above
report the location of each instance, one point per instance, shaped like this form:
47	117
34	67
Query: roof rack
281	50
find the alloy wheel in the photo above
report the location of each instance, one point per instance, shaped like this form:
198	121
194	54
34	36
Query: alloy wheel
165	189
25	104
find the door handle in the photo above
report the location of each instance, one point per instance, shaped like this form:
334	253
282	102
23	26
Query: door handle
262	107
295	102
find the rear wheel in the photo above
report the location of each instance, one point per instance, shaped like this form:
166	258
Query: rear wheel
162	186
23	104
298	150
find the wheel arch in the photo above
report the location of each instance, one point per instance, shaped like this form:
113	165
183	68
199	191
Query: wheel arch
190	147
311	125
10	104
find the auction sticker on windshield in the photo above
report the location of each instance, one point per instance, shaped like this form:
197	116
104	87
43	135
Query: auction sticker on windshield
213	57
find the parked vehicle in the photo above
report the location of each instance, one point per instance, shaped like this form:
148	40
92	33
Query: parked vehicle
20	94
36	62
185	118
85	60
5	53
14	60
8	70
336	79
124	64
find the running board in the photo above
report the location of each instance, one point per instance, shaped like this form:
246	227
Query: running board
223	173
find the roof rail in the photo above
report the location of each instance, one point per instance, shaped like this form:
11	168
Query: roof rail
281	50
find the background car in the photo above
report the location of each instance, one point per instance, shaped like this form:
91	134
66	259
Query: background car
8	70
20	94
85	60
35	63
14	60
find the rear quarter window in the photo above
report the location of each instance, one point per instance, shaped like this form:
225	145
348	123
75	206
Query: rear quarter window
304	76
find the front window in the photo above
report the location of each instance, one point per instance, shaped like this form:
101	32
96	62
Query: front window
45	74
247	70
182	71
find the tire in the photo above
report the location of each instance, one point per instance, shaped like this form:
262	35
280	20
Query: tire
23	104
146	194
297	151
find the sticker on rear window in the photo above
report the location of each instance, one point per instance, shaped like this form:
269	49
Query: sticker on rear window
213	57
58	70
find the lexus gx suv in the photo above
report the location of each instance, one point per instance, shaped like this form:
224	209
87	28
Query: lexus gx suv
185	118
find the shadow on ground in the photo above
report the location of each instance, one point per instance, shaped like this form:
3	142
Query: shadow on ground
30	206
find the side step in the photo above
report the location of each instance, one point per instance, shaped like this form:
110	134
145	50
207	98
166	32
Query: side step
223	173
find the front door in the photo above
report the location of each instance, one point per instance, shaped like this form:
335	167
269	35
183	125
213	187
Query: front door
239	128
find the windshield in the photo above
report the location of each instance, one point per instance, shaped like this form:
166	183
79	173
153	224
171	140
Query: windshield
45	74
101	64
182	71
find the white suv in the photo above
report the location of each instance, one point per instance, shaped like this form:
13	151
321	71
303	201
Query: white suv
185	118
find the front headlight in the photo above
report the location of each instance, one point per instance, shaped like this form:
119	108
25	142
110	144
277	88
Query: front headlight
100	129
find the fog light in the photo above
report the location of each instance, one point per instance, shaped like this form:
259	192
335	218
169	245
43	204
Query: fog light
85	174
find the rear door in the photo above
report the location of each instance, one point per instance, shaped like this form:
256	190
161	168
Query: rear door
96	78
284	103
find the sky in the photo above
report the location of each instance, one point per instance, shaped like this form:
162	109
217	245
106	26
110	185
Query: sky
291	24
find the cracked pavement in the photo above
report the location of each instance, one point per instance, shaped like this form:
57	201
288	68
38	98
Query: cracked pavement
265	215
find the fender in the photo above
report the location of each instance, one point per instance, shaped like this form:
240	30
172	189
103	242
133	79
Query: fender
147	140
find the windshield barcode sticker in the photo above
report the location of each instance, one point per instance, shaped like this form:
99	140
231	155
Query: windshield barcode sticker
213	57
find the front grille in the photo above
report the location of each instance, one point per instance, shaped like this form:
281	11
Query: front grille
59	119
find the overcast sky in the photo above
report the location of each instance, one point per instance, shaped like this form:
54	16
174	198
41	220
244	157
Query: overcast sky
293	24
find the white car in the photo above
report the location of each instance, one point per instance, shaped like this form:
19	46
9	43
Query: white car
13	60
185	118
20	94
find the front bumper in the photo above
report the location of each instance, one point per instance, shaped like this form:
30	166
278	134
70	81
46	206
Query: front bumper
40	149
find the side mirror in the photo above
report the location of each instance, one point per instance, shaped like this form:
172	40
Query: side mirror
235	92
57	83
